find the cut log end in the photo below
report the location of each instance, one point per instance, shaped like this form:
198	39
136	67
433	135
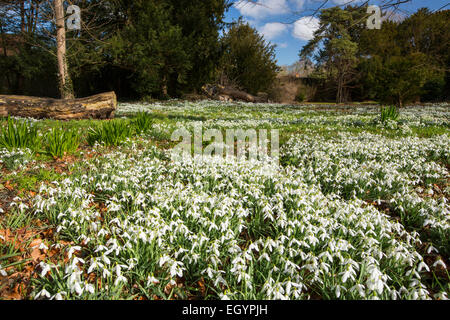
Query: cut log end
100	106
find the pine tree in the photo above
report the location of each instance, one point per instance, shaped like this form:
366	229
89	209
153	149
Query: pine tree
335	47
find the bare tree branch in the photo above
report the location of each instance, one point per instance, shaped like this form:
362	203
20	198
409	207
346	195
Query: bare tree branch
392	5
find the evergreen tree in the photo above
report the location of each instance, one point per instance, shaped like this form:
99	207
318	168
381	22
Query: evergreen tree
406	60
151	47
200	23
335	47
248	60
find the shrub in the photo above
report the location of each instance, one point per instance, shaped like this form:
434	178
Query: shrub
143	122
300	97
61	142
18	135
389	113
110	133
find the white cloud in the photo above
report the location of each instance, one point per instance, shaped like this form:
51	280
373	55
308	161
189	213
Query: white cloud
298	4
343	2
305	27
283	45
262	8
272	30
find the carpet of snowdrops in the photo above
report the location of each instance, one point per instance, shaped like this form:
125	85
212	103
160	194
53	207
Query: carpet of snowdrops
356	209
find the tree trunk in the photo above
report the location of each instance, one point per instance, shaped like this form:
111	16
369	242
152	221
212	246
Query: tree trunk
22	16
219	92
101	106
65	84
164	88
399	101
340	88
5	53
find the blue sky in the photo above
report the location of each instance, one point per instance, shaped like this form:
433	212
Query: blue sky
288	23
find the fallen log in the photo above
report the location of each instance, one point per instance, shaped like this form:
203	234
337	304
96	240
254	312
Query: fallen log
100	106
222	93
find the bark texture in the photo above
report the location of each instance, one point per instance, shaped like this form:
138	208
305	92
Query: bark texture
101	106
65	84
222	93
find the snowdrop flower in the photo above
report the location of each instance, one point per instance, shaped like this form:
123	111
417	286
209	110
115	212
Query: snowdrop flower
105	259
3	272
59	296
338	290
431	249
72	250
151	280
224	297
172	282
42	246
349	273
441	296
360	289
45	268
375	282
278	293
120	278
95	264
422	266
77	260
264	256
106	273
163	260
440	263
43	293
89	288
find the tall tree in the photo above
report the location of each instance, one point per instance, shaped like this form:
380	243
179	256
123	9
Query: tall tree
335	46
248	60
65	84
169	47
151	47
200	23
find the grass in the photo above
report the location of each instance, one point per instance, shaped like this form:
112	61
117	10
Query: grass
30	180
18	134
61	142
123	188
143	122
389	113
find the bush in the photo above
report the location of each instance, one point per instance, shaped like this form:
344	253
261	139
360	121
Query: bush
143	122
300	97
433	90
19	135
110	133
61	142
